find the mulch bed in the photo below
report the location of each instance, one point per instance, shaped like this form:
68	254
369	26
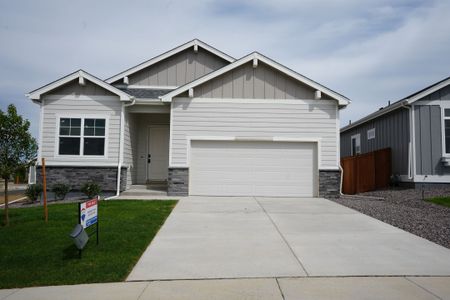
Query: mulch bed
405	209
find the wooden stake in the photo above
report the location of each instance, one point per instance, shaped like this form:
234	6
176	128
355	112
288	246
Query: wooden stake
44	186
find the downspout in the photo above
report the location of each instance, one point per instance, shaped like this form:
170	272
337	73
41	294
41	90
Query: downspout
121	144
410	146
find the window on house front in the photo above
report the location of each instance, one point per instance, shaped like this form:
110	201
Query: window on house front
447	130
78	135
371	134
356	144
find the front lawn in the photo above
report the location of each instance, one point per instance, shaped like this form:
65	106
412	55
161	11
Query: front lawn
33	253
444	201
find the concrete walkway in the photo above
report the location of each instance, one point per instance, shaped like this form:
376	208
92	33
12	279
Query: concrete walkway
360	288
218	237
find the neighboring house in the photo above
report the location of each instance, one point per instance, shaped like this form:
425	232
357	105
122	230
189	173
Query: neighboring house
198	119
416	128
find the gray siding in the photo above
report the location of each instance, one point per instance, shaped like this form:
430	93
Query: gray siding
252	118
178	69
65	102
391	130
262	82
428	135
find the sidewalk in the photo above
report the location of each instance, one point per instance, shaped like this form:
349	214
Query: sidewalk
317	288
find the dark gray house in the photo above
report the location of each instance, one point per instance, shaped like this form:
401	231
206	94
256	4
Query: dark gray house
416	128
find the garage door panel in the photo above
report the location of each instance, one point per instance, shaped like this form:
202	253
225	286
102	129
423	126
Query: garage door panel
234	168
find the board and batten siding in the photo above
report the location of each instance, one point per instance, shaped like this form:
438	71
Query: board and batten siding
75	100
302	119
428	140
391	131
178	69
262	82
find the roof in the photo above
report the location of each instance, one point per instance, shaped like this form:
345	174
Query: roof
145	93
342	100
400	103
80	75
154	60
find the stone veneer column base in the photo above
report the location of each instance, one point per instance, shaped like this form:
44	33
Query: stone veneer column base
329	183
178	182
106	177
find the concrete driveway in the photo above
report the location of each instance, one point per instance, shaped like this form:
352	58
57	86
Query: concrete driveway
219	237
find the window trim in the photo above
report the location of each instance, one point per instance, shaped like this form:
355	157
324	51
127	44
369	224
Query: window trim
374	134
356	137
82	117
443	118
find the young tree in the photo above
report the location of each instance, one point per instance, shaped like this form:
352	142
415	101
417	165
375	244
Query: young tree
17	147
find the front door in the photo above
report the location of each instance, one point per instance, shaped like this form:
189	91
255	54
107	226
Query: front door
158	153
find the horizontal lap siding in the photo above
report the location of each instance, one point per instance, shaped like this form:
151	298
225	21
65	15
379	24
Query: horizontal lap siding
68	106
191	118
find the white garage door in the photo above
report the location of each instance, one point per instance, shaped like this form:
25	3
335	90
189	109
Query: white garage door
235	168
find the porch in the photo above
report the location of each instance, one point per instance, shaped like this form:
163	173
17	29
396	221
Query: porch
147	152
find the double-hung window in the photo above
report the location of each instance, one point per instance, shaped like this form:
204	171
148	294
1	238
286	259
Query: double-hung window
446	131
82	136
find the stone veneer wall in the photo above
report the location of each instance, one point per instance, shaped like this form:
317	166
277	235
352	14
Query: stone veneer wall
178	182
106	177
329	183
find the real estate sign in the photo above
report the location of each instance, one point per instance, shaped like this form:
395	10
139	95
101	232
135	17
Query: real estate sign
88	213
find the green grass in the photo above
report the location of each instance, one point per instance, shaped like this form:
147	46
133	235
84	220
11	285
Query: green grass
33	253
444	201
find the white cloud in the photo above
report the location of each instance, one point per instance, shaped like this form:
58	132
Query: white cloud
371	51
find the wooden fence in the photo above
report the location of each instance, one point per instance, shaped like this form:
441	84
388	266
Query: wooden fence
366	172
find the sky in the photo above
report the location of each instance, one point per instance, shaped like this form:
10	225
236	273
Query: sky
370	51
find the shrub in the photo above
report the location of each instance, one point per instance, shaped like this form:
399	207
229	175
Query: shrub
60	190
33	191
91	189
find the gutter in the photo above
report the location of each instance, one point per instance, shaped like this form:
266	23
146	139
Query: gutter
121	145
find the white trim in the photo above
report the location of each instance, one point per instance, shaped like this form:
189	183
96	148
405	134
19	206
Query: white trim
429	91
80	75
84	163
357	138
41	130
152	87
317	141
81	136
371	134
343	101
78	97
169	54
255	139
443	107
413	132
338	139
432	178
170	133
256	101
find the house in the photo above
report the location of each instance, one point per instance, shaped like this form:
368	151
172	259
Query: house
416	128
196	119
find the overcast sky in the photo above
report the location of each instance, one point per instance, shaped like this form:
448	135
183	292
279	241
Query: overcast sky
369	51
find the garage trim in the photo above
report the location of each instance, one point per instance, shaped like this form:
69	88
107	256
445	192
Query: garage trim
254	139
249	139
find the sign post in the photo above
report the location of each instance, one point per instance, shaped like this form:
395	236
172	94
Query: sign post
44	187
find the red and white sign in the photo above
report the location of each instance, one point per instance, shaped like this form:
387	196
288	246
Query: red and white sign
88	213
